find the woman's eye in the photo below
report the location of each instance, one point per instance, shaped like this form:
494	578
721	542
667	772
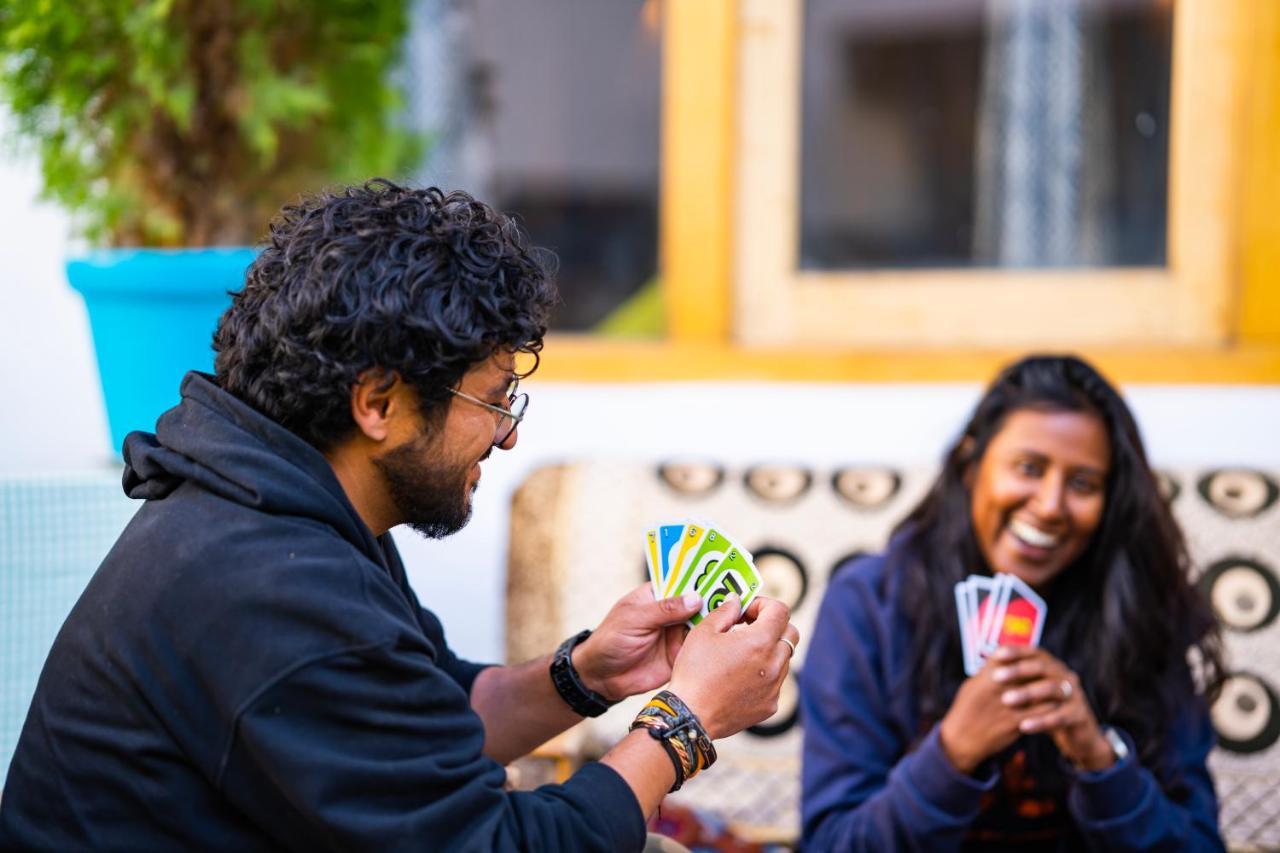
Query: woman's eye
1085	486
1026	468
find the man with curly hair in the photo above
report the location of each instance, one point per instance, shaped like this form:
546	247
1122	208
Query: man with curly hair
249	668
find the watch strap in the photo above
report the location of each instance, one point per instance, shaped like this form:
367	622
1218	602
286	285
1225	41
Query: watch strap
582	699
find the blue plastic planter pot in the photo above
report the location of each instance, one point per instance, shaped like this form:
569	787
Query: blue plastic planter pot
153	313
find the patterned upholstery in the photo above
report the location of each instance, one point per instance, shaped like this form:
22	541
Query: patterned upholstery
576	534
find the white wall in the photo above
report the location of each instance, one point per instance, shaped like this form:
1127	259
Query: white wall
463	579
51	419
50	400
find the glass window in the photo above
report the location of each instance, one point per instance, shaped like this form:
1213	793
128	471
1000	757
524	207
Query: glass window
552	114
1003	133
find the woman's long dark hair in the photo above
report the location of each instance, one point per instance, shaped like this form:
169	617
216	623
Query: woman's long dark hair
1124	615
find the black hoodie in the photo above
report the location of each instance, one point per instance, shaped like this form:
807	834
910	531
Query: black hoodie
249	669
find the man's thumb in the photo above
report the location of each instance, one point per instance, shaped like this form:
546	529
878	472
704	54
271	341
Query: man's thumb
727	614
670	611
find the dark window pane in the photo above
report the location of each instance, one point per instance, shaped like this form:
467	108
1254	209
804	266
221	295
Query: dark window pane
1009	133
559	126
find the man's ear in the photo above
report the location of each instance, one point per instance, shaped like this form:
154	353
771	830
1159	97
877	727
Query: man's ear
375	399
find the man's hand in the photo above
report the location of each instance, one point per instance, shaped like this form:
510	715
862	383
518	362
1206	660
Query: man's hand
633	649
631	652
730	675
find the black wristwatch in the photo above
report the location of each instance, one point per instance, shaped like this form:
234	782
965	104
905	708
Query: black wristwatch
581	698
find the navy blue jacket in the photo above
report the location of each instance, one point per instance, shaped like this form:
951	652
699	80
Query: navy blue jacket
873	780
249	669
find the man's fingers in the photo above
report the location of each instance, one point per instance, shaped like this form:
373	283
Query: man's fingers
726	615
771	616
785	651
674	640
780	661
669	611
641	594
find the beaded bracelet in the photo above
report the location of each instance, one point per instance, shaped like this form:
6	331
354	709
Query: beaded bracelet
670	722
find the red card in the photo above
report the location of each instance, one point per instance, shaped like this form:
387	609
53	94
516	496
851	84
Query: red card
1019	615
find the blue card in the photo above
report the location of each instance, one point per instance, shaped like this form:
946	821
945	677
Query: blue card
668	536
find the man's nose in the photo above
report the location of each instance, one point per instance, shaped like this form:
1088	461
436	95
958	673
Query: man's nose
509	442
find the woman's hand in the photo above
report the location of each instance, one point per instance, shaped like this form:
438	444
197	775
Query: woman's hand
978	724
1047	698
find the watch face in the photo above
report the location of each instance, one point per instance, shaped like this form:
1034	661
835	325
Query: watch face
1118	746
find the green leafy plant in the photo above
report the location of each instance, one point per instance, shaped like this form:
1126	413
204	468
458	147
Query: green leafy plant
189	122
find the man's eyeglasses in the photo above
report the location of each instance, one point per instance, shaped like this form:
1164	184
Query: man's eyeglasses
509	416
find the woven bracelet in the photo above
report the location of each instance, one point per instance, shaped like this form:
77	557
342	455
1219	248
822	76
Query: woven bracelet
670	722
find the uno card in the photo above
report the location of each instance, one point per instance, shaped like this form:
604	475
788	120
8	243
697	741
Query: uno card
681	550
653	560
668	536
994	615
1019	617
734	573
999	611
702	561
965	617
982	593
697	556
982	589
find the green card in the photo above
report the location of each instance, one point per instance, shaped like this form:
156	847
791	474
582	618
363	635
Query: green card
733	573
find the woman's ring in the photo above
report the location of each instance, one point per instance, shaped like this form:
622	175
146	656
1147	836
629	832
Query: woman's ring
1067	689
790	645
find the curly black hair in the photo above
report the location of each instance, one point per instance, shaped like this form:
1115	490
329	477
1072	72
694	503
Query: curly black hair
417	281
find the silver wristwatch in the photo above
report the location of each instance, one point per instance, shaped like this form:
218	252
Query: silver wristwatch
1118	746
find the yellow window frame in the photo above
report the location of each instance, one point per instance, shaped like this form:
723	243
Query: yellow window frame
737	308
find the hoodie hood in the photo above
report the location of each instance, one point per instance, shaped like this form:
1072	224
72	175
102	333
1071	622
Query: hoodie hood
217	442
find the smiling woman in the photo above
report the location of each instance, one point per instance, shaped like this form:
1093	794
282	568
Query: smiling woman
1099	736
1037	494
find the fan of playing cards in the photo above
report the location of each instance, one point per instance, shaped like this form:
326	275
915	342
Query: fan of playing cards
702	558
994	612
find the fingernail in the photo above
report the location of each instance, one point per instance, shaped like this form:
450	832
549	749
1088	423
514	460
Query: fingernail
1010	697
1027	726
691	599
1002	653
734	597
1004	673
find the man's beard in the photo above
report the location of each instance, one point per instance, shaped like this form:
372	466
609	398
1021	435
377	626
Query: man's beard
432	496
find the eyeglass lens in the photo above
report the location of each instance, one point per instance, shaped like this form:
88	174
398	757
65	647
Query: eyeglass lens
507	423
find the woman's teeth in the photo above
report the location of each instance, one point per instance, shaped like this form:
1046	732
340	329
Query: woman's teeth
1032	535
